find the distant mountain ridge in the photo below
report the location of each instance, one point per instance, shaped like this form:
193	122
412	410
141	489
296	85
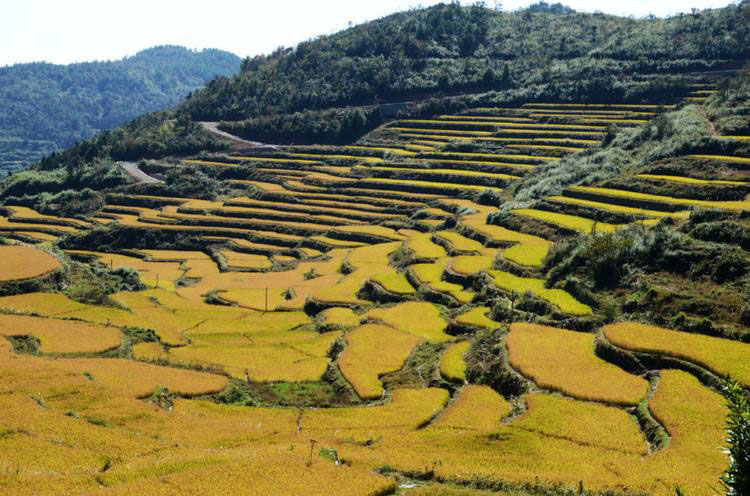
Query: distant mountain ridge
46	107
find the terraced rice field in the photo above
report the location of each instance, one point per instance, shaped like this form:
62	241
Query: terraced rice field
261	355
361	369
561	299
18	263
572	222
452	362
720	356
564	361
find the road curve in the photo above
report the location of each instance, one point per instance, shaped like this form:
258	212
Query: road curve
132	170
213	128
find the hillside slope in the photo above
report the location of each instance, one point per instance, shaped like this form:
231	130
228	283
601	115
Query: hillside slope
517	290
442	59
46	107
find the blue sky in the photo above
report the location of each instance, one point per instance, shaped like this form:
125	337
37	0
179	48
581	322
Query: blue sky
81	30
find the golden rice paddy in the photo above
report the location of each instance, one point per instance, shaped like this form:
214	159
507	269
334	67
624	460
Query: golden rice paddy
564	361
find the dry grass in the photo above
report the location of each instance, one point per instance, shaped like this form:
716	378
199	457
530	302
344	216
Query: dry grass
564	361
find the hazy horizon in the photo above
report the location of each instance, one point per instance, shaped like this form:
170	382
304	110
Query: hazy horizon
86	30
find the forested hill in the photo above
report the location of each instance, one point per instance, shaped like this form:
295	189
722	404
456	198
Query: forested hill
44	107
455	49
328	90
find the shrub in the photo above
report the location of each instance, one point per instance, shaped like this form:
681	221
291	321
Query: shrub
736	479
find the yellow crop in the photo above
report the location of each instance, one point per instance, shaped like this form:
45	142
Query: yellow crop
439	172
695	417
728	205
721	356
573	222
452	363
339	317
485	118
564	361
562	299
363	368
610	207
584	422
245	260
566	149
461	155
477	317
441	131
394	282
430	275
61	336
476	408
333	156
407	410
439	187
691	180
422	319
25	214
24	262
470	265
49	304
513	165
387	149
375	230
280	160
531	255
503	124
422	247
600	106
458	243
